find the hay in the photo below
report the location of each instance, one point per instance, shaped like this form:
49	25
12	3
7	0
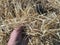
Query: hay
43	28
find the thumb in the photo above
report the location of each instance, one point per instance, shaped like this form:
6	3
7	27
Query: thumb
15	35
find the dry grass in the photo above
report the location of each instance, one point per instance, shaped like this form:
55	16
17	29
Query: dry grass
43	29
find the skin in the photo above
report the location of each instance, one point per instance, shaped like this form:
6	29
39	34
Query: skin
16	37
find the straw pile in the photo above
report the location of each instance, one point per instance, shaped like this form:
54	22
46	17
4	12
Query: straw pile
41	18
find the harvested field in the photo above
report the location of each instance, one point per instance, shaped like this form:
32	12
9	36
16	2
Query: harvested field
41	18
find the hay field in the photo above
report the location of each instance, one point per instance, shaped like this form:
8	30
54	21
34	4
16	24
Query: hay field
41	18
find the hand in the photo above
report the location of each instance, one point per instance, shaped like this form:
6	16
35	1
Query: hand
16	37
